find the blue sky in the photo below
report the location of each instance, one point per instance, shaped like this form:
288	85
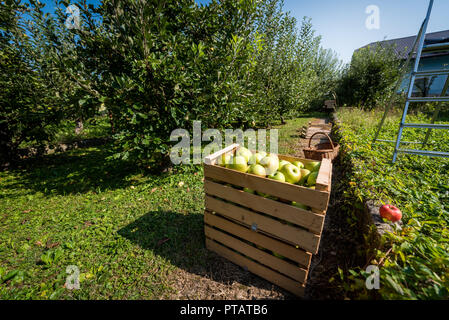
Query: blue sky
342	23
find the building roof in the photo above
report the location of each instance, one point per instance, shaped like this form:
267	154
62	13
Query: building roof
402	46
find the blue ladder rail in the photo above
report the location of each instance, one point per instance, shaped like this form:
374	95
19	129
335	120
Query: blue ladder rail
420	48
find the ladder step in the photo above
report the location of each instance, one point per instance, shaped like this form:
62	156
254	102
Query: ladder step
424	152
425	125
428	99
432	73
436	47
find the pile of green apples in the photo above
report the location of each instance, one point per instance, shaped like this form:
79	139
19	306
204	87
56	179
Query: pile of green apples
269	165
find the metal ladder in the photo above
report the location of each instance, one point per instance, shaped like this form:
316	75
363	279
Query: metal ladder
419	48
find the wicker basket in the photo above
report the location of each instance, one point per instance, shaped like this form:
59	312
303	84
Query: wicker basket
328	150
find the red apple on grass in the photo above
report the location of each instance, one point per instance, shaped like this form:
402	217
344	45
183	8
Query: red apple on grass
390	212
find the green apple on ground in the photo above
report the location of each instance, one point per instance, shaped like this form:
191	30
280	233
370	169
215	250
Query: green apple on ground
300	205
243	152
279	176
311	180
257	169
283	163
299	164
270	163
292	173
255	158
238	163
304	175
224	159
313	165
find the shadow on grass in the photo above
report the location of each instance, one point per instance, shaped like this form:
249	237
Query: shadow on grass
180	239
76	171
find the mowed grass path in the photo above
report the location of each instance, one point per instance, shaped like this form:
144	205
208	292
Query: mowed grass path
126	231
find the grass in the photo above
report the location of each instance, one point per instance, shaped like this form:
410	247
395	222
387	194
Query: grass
416	267
98	127
289	135
126	230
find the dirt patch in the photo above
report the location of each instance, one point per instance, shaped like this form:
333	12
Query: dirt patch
223	281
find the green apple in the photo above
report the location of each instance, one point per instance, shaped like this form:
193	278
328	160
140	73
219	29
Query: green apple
262	194
257	169
299	164
270	163
283	163
279	176
304	175
313	166
311	180
243	152
255	158
238	163
249	190
266	196
224	159
274	155
278	255
300	205
292	173
263	153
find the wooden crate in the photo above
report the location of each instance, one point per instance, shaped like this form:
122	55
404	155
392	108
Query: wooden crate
248	229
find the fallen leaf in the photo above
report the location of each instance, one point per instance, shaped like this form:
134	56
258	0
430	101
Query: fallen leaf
153	190
38	243
27	211
50	245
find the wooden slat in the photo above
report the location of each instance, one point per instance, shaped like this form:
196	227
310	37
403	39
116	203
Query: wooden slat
323	180
256	268
304	218
211	159
286	250
302	238
284	267
312	198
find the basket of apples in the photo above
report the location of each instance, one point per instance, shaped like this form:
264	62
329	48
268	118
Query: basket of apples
265	212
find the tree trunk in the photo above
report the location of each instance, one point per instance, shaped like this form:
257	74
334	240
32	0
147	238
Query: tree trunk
79	126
